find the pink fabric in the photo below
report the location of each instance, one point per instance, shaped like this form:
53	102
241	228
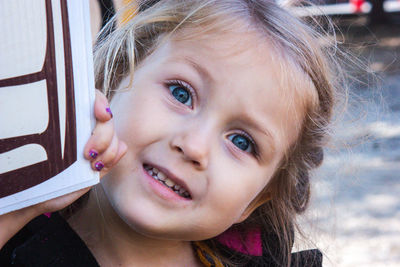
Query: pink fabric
250	246
48	214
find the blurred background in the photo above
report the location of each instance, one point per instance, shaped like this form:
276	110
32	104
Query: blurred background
355	209
354	216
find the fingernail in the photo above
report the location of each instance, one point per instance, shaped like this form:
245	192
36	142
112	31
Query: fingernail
109	112
93	153
99	165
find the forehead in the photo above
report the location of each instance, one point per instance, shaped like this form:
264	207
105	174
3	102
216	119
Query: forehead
241	70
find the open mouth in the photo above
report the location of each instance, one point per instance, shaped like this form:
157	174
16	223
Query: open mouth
166	181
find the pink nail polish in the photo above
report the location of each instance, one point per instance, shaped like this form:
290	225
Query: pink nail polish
109	112
93	153
99	165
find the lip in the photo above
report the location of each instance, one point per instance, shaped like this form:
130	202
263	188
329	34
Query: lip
163	191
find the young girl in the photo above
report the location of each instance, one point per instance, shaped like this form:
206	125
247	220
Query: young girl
222	106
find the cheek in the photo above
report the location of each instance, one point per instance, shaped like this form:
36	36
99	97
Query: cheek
137	117
225	210
236	189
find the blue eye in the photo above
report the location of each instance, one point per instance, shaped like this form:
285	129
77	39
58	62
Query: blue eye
242	142
181	94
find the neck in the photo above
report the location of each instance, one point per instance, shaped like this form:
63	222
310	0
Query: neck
114	243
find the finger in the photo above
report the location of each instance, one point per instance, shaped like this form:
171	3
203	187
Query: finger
108	156
100	140
102	109
122	149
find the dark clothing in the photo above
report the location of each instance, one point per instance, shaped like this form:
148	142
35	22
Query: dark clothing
52	242
46	242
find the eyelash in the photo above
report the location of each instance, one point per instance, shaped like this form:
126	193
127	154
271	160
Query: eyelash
185	85
255	151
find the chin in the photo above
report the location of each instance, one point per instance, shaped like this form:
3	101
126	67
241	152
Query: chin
153	228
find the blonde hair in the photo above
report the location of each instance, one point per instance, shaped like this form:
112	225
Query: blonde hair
297	45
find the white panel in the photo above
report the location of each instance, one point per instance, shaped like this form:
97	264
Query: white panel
21	157
60	65
23	109
23	51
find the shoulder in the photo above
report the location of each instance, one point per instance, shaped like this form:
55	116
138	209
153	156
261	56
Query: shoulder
311	258
44	242
262	248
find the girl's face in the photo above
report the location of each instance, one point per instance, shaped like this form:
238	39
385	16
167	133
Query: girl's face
209	114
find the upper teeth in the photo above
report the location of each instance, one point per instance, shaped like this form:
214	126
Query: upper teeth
161	177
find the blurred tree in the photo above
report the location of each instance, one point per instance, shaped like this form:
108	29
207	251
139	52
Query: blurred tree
377	14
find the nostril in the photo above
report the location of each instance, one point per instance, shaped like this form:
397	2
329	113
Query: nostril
190	155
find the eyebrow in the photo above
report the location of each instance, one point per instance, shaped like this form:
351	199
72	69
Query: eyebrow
204	73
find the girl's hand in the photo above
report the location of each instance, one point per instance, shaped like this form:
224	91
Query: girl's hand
103	150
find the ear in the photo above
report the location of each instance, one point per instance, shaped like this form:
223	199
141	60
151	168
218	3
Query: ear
261	199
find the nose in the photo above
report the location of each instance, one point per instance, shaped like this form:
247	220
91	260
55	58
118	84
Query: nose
193	145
